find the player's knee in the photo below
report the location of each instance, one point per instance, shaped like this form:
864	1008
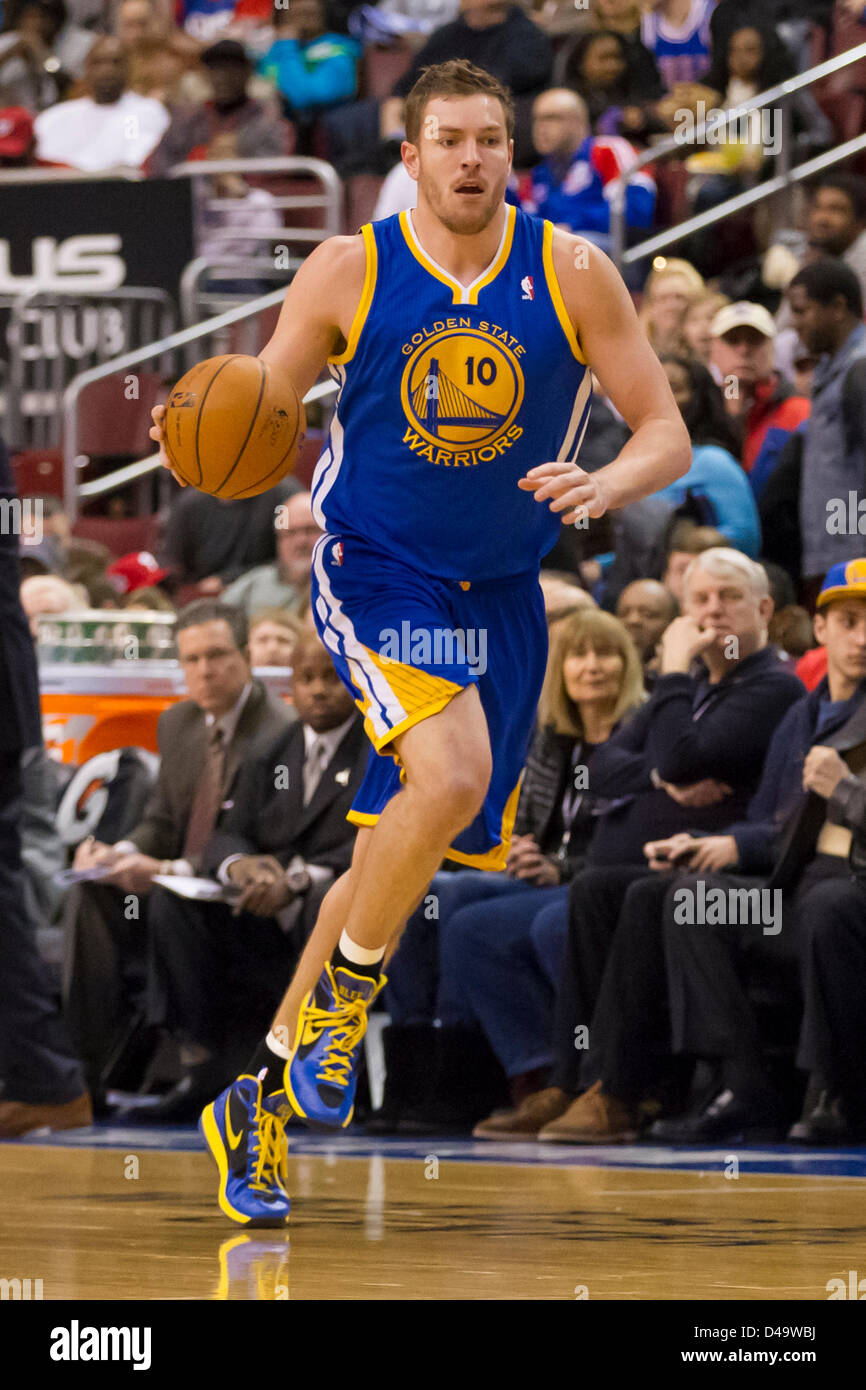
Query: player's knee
458	789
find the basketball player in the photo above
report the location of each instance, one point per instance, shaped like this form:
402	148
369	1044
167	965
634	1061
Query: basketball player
460	336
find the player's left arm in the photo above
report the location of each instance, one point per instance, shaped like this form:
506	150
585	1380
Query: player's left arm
617	350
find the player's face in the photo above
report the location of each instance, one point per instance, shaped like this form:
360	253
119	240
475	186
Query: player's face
462	161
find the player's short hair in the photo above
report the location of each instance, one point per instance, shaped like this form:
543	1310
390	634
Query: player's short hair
456	78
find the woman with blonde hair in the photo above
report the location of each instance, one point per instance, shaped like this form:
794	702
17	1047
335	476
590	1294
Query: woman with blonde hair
499	945
670	289
696	323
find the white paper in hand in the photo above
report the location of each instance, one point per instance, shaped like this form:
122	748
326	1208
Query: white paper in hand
199	890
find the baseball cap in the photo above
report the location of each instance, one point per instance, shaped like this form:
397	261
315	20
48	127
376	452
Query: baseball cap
743	315
135	571
16	131
845	580
225	51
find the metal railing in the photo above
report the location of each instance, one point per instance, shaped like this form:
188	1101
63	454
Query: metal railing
179	342
220	262
58	175
31	409
678	143
48	331
294	165
196	302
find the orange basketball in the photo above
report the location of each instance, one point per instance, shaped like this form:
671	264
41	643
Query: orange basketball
234	426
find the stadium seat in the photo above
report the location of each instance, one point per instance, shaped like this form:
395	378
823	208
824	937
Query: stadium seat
362	191
672	180
308	457
293	186
245	336
38	472
110	424
846	111
122	535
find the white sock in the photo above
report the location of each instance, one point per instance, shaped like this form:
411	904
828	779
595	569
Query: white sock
274	1045
359	955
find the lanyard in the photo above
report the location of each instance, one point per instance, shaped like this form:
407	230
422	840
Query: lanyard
570	804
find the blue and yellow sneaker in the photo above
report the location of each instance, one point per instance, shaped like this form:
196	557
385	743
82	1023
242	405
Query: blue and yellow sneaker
248	1143
321	1074
254	1267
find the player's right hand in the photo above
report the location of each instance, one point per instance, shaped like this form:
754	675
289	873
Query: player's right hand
157	434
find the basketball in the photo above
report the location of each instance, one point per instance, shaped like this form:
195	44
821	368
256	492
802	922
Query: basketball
234	426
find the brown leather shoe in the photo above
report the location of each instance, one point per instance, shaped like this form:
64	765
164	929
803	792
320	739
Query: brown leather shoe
534	1112
594	1118
17	1117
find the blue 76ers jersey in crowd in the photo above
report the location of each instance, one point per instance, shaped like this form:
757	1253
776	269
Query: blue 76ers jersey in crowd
447	396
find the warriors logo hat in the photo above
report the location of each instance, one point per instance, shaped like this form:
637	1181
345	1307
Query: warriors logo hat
845	580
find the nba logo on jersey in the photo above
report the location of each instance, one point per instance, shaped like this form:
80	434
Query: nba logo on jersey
528	288
337	553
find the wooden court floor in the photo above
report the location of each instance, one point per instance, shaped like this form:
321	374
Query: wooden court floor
97	1223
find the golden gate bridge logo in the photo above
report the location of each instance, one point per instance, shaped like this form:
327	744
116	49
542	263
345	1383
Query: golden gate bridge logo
461	389
438	401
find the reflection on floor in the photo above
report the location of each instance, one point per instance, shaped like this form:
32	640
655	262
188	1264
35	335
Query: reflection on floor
112	1213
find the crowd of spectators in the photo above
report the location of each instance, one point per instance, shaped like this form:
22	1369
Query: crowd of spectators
702	724
147	84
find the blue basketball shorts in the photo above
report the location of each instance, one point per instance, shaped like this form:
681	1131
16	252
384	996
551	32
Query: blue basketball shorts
405	643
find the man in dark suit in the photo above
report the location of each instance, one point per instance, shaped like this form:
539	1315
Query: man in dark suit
42	1082
282	843
202	743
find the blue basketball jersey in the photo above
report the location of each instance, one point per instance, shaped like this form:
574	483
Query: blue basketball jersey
447	396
